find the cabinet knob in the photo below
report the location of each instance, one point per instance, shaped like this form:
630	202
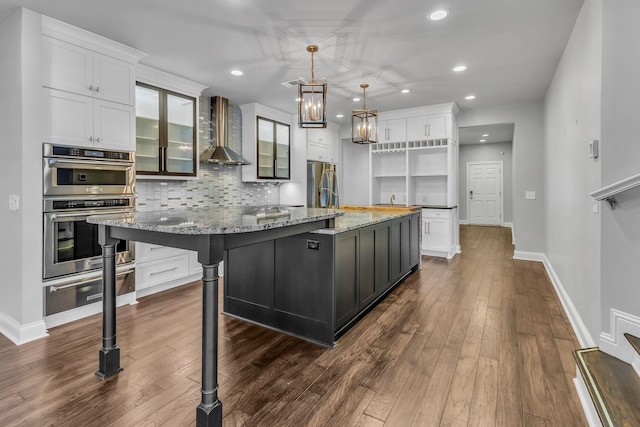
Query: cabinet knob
90	139
98	139
97	89
91	88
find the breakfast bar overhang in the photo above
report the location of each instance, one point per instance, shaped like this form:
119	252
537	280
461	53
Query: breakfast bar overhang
210	232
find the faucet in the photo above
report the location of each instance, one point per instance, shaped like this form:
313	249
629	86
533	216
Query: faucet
393	197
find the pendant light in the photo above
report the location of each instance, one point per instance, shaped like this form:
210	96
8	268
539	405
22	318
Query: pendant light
364	123
312	100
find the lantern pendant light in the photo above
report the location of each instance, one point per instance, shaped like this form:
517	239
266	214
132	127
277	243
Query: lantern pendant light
364	123
312	100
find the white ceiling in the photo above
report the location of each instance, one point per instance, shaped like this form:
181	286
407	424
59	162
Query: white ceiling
511	48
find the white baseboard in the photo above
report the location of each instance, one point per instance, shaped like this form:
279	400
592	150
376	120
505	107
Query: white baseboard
588	408
463	221
615	343
86	311
528	256
580	329
20	334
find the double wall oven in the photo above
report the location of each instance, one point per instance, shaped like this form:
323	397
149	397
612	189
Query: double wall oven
78	182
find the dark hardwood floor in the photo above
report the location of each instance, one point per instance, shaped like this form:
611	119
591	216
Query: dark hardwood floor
480	340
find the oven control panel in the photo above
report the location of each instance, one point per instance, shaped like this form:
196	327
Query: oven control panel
80	204
86	153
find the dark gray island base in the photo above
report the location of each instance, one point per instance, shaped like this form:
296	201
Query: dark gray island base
317	285
209	232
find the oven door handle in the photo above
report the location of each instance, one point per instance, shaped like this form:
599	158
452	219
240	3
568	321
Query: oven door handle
94	164
92	278
87	213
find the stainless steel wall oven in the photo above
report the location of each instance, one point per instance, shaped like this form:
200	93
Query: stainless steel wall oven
79	182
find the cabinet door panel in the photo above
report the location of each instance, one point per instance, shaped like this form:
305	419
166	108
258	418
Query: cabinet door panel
383	281
438	235
367	283
417	128
67	118
405	248
414	238
113	80
346	277
438	126
396	130
67	67
114	125
395	244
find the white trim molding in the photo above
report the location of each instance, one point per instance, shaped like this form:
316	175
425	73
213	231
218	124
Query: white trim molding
580	329
20	334
463	222
528	256
585	399
615	343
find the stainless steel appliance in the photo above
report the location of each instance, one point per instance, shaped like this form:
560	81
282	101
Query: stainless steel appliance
79	182
76	171
76	293
322	185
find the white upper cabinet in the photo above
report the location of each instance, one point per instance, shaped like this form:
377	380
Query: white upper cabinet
88	93
78	70
392	130
425	127
323	145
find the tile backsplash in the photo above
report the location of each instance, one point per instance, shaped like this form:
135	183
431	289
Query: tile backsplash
216	184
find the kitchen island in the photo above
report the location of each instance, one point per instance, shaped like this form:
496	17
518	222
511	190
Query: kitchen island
318	284
211	232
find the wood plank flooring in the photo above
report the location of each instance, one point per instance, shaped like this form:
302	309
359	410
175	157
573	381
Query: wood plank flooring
480	340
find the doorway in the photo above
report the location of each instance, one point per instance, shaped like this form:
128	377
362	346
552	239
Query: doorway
484	193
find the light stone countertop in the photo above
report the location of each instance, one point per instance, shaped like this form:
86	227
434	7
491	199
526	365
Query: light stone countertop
352	220
216	220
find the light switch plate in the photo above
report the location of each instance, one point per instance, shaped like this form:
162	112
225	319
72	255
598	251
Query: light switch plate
530	195
593	149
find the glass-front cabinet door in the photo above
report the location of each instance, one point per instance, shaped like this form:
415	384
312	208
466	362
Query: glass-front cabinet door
181	134
165	132
274	157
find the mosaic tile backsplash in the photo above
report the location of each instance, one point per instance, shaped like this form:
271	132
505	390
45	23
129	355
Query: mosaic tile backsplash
216	185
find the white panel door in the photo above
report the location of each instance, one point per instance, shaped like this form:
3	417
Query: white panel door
67	118
485	193
113	80
114	125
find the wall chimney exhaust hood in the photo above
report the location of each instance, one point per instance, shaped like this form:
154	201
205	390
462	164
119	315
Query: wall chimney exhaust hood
220	153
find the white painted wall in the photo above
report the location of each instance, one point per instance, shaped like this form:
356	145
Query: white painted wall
620	275
528	166
354	173
10	182
572	119
21	305
486	153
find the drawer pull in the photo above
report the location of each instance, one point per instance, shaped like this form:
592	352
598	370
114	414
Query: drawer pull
95	296
153	273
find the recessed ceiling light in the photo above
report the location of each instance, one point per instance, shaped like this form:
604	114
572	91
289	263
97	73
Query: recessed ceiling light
356	99
405	91
459	68
237	72
483	140
339	116
485	135
437	15
470	97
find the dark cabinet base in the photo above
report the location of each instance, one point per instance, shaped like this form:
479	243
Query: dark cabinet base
316	286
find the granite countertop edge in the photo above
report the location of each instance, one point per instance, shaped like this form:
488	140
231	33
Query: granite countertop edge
353	220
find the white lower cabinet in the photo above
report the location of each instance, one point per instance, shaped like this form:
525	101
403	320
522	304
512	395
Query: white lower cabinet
439	237
160	267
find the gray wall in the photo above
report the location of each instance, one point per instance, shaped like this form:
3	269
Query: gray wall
528	166
486	153
620	274
572	119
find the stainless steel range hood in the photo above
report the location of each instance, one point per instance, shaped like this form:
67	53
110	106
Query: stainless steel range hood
220	153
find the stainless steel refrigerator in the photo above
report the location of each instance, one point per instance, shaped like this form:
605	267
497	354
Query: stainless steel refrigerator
322	185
